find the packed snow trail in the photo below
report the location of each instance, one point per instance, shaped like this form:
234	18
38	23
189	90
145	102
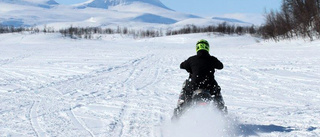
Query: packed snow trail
121	87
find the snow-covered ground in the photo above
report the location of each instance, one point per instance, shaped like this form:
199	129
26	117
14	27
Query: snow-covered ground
124	87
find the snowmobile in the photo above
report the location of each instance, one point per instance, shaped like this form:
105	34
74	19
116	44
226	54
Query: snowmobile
200	97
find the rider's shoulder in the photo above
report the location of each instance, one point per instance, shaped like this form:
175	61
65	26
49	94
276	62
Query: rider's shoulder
192	57
213	57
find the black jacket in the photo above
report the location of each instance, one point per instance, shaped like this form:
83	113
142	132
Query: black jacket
201	68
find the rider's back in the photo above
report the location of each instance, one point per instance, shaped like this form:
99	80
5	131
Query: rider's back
202	67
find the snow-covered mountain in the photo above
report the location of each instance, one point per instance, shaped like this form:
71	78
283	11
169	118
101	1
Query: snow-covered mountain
38	3
107	13
105	4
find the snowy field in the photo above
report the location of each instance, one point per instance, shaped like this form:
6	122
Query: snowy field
124	87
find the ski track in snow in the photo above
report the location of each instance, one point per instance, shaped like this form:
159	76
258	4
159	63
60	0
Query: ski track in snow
50	86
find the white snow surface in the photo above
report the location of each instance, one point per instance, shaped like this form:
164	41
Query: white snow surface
124	87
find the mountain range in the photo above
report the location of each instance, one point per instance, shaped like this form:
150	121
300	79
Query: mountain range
36	3
109	13
105	4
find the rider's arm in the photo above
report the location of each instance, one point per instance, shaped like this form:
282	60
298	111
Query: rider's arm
186	65
218	63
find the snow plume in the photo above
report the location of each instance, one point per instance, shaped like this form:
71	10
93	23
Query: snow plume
200	122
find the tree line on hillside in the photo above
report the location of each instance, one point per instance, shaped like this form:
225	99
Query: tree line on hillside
12	29
94	32
90	32
84	32
223	28
297	18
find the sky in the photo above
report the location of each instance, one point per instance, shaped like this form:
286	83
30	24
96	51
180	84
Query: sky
246	10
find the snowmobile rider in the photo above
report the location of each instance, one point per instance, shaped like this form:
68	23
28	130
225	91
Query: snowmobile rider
201	68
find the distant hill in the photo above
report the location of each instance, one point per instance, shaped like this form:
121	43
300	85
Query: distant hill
105	4
37	3
151	18
229	20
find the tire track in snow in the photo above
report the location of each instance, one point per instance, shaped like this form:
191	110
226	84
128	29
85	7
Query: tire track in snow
139	69
117	125
77	122
14	59
136	117
34	120
138	113
152	76
91	75
85	77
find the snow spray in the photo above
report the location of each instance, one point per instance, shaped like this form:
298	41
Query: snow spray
200	122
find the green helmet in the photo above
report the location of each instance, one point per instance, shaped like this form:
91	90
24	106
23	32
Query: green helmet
202	45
